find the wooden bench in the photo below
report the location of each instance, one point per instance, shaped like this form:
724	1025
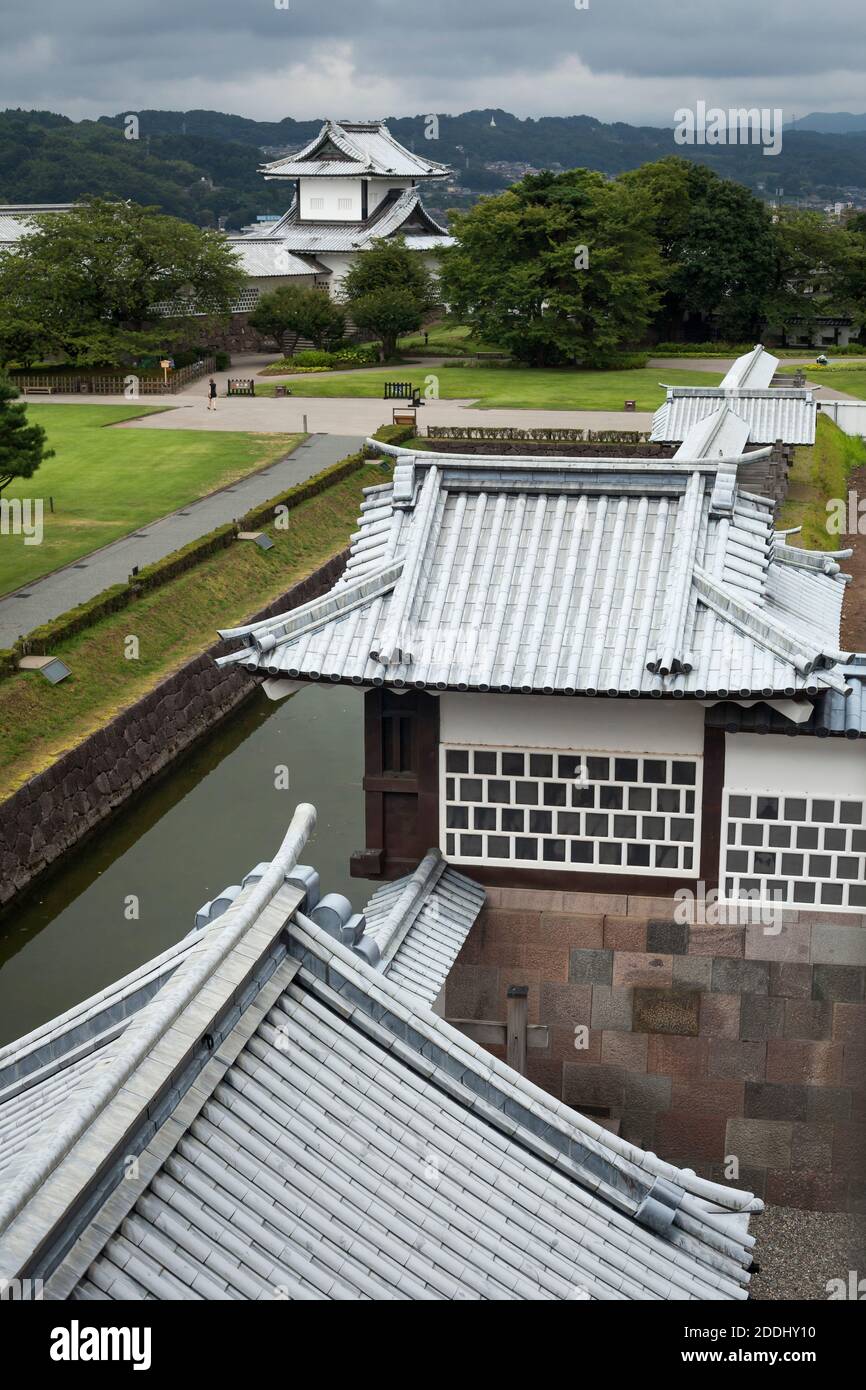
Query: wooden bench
402	391
39	390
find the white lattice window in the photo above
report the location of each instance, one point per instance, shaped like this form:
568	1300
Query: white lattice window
617	813
800	850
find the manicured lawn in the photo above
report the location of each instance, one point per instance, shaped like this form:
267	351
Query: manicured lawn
851	380
38	721
519	388
450	337
106	483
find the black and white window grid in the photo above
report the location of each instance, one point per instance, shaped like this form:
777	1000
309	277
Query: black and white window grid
802	850
625	813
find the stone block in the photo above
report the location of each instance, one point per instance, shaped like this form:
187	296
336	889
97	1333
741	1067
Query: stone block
812	1145
766	1100
813	1191
828	1103
612	1008
716	941
564	1005
515	928
759	1143
590	967
835	944
552	963
720	1015
693	970
593	1084
645	1092
691	1134
838	983
570	929
696	1093
667	937
731	976
681	1057
531	900
667	1011
625	933
790	979
631	970
628	1050
761	1017
815	1063
603	903
811	1019
745	1061
849	1023
472	991
563	1045
849	1148
651	907
789	941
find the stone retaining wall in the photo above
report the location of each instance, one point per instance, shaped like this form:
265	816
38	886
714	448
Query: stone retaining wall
704	1043
55	810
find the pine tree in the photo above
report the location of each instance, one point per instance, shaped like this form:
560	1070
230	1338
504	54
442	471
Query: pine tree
22	444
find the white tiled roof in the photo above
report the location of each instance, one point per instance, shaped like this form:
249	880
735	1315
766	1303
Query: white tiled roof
789	415
754	370
420	923
303	1128
368	148
16	219
263	257
565	576
387	220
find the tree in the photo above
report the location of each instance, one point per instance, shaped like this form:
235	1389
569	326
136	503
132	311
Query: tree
302	310
561	268
388	291
716	240
86	285
22	444
813	255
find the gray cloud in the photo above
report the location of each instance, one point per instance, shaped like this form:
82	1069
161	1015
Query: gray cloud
621	59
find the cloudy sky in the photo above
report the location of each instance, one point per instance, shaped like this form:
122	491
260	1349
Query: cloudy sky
631	60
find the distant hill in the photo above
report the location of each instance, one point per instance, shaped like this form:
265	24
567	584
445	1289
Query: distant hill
203	165
830	123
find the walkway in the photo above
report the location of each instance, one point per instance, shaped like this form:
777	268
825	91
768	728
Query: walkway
46	598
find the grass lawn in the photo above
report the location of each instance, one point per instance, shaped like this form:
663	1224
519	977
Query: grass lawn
818	474
450	337
38	721
106	483
518	388
851	380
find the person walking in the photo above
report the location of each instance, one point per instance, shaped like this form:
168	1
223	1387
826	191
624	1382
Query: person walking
211	394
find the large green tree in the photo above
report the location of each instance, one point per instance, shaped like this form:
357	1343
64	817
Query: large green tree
302	310
561	268
813	261
85	285
718	246
22	444
388	291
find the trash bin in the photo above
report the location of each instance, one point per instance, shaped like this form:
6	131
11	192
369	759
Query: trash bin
280	391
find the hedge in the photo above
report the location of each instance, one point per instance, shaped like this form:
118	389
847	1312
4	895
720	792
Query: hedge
545	436
42	640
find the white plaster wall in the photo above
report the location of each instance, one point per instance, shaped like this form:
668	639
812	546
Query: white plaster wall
543	721
331	190
775	763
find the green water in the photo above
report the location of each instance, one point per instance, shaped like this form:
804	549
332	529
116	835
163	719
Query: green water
198	830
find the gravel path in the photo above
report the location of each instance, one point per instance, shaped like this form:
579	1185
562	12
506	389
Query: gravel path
799	1252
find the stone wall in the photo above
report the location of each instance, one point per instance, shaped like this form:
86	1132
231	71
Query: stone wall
702	1043
55	810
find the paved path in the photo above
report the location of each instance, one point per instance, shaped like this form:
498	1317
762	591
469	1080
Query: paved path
46	598
344	415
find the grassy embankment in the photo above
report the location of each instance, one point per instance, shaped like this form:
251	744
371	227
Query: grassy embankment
173	624
107	483
818	475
